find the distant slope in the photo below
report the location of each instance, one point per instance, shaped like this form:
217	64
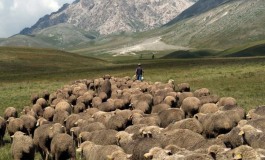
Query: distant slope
258	50
198	8
234	23
29	61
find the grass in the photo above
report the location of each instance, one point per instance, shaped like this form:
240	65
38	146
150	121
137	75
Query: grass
26	71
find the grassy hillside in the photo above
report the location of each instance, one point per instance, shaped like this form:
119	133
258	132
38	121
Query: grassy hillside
25	71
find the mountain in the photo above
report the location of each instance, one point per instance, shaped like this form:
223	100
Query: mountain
106	17
198	8
232	23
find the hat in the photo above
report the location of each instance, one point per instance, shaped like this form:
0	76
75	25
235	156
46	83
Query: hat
139	64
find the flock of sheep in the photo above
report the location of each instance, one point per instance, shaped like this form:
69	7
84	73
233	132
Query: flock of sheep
121	118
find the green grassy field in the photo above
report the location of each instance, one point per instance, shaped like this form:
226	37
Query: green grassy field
27	71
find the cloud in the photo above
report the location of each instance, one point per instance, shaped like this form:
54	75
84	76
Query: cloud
15	15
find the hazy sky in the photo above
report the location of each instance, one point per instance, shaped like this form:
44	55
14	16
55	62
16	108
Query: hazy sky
15	15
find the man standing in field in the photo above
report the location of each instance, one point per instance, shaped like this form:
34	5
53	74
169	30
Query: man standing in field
139	72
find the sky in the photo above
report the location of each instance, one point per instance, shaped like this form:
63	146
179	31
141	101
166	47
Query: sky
15	15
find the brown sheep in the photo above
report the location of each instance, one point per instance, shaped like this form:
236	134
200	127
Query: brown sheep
100	137
38	110
189	123
209	99
60	116
118	122
183	87
79	107
22	147
160	107
63	106
106	87
142	105
258	112
10	112
70	121
157	153
232	139
29	123
92	151
42	102
183	138
215	123
48	113
96	101
182	96
227	101
62	147
170	115
34	98
208	108
201	92
2	130
158	100
171	101
190	106
14	125
43	136
106	106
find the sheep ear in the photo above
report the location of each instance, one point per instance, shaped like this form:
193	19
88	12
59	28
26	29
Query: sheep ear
109	157
168	152
148	155
129	156
79	150
238	156
131	134
241	133
51	128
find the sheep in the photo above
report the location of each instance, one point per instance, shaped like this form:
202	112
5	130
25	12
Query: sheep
106	106
22	147
157	153
102	117
142	105
148	119
118	122
144	97
62	147
209	99
103	96
245	152
257	123
60	116
134	129
63	106
48	113
258	112
208	108
106	87
119	155
215	123
252	136
227	101
158	100
160	107
183	87
125	141
171	101
38	109
10	112
14	125
42	102
43	136
143	146
181	96
120	104
100	152
189	123
79	107
232	139
29	123
42	121
190	106
70	121
183	138
93	126
96	101
201	92
170	115
34	98
100	137
150	131
218	152
2	130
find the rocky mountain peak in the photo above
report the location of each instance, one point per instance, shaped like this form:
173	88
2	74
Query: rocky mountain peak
107	17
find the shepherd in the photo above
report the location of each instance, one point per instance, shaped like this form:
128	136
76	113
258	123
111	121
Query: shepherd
139	72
